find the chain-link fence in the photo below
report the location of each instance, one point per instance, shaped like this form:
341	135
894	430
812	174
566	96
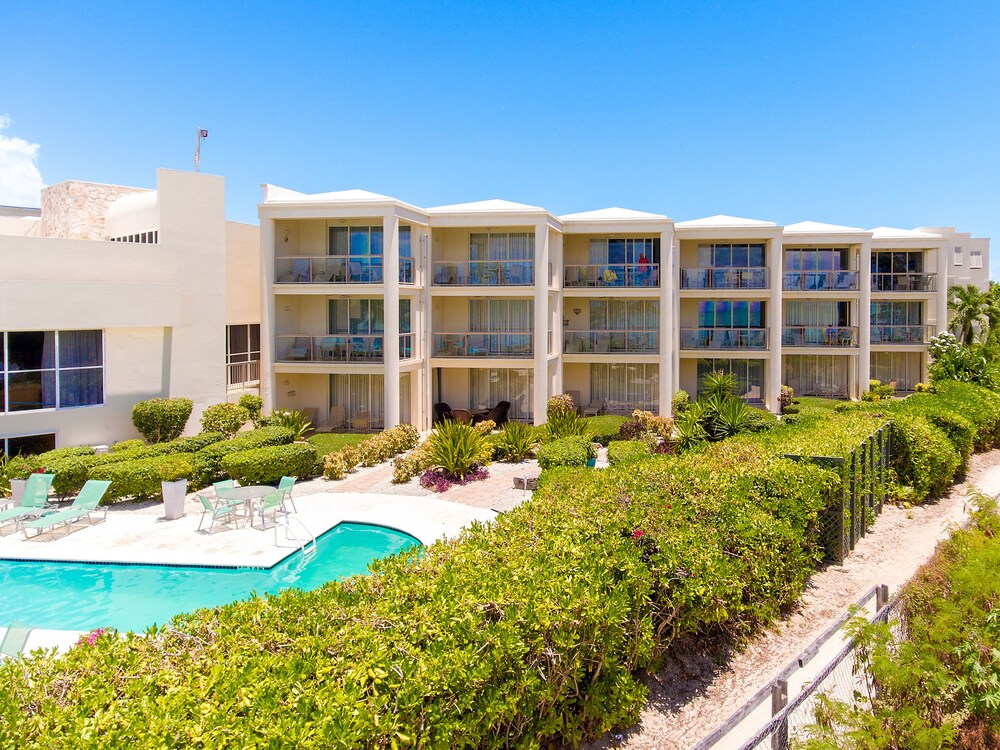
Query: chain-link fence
845	679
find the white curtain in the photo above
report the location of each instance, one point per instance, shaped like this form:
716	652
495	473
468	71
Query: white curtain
360	395
500	315
817	375
902	368
626	387
488	387
812	313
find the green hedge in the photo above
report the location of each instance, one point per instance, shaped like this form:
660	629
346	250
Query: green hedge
627	452
567	451
140	478
605	428
208	460
269	464
161	419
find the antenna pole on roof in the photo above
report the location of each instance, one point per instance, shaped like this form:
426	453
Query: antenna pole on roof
197	148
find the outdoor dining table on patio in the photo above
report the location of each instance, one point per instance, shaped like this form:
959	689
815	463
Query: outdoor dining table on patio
246	494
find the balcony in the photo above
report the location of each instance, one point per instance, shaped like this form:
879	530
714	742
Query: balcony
827	336
902	334
338	348
820	281
724	278
611	342
480	344
724	338
904	282
621	275
484	273
355	269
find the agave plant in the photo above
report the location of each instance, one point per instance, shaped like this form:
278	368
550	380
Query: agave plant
727	417
562	424
515	442
719	384
295	421
458	449
688	426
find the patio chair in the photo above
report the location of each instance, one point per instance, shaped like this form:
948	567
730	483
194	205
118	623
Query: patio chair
577	404
299	349
273	503
338	417
84	504
285	485
225	510
442	412
356	272
34	501
595	408
462	416
225	484
498	414
15	639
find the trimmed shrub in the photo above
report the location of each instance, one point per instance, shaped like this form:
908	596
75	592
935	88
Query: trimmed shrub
409	465
161	419
208	460
268	465
225	418
605	428
253	404
140	478
759	420
680	403
127	445
627	452
630	430
568	451
338	464
194	443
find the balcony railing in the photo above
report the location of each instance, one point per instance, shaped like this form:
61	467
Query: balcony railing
331	269
904	282
242	375
612	275
406	270
724	278
820	281
901	334
611	342
484	273
723	338
339	348
835	336
517	345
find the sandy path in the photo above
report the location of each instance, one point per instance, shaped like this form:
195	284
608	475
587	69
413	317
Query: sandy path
693	694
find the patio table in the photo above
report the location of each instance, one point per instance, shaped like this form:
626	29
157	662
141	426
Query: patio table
247	495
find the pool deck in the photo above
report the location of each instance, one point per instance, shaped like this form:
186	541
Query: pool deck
141	535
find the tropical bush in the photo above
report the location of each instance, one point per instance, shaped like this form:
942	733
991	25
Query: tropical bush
972	363
291	419
605	428
680	403
628	452
208	460
161	419
515	442
574	450
372	451
225	418
252	404
126	445
458	449
140	478
410	464
786	397
340	463
269	464
878	391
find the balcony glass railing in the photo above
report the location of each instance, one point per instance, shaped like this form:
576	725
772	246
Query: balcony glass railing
611	342
406	270
242	375
724	278
518	345
339	348
484	273
820	281
612	275
901	334
904	282
837	336
723	338
330	269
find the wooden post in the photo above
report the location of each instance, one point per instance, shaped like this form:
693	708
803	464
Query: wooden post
779	699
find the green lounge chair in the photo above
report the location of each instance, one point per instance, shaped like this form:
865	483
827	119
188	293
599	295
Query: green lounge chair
287	483
85	504
273	503
15	639
225	510
34	502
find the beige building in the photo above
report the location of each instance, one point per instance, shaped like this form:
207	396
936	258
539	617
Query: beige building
111	295
376	310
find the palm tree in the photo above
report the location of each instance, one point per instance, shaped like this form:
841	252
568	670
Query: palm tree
968	307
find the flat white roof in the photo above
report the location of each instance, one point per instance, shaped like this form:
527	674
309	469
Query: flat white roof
723	221
895	233
494	205
613	213
818	227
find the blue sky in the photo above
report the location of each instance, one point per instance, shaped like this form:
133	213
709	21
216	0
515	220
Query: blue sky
859	113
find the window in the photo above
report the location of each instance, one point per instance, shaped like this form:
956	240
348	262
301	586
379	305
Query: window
362	398
624	315
613	250
810	313
501	246
958	255
144	238
28	445
51	370
626	387
897	261
816	259
730	314
729	255
897	313
501	315
749	375
355	241
488	387
902	368
817	375
976	259
243	343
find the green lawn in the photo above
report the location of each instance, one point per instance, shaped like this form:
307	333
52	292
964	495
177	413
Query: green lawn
327	442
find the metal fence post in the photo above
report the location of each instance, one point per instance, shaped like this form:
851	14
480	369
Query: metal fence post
853	489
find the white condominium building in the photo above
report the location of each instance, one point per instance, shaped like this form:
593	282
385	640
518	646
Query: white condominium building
110	295
376	311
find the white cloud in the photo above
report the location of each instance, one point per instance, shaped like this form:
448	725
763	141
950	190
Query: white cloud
20	181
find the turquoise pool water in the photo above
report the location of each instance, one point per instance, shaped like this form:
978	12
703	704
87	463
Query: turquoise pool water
84	596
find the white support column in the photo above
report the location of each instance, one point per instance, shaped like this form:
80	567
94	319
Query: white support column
775	263
675	324
426	417
267	308
941	297
390	312
864	316
667	339
541	313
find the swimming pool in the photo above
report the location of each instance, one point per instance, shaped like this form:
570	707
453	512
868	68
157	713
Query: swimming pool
84	596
